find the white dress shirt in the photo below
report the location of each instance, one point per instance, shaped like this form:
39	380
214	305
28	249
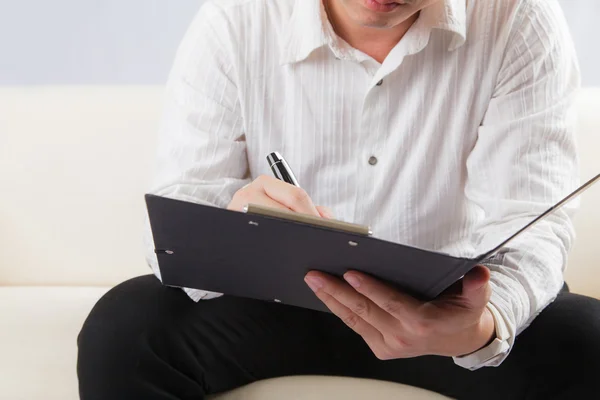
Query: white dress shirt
463	135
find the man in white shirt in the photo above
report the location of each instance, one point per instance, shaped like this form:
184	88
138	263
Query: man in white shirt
444	124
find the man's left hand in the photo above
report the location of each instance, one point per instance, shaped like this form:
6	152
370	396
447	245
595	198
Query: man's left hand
396	325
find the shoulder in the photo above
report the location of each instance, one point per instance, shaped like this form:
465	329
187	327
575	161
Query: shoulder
500	22
511	13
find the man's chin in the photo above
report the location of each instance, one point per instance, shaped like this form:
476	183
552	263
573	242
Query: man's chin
375	23
371	19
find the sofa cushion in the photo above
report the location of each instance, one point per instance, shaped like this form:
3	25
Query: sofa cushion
39	328
326	388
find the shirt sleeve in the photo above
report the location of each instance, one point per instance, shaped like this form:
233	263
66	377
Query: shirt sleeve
525	161
201	149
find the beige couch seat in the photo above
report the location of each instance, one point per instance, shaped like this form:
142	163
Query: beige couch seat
74	165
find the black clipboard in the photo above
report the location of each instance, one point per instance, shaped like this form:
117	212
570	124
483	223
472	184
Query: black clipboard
266	257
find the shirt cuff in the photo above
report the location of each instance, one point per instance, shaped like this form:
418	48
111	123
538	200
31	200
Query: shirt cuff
198	295
493	354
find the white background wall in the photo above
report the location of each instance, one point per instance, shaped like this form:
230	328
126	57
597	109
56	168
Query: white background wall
134	41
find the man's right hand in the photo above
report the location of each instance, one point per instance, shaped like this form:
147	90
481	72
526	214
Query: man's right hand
272	192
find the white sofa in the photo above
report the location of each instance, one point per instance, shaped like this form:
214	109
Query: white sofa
74	165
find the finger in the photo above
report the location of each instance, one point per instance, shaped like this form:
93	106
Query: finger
293	197
355	302
475	286
390	300
249	196
325	212
369	333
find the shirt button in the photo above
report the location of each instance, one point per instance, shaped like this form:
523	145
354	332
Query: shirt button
380	83
373	160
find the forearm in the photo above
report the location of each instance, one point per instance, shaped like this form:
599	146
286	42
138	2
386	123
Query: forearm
525	278
528	276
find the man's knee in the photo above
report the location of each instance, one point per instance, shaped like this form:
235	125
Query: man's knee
568	332
573	316
119	319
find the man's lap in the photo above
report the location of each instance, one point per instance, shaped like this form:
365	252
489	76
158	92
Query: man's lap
228	342
238	339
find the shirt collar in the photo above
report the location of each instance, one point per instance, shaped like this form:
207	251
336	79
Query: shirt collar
309	28
306	31
451	16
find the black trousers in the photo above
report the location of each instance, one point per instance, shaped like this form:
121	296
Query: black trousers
146	341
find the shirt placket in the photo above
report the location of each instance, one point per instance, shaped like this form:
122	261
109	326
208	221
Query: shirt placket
372	146
375	129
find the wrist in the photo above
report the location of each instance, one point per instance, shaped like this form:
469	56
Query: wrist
484	332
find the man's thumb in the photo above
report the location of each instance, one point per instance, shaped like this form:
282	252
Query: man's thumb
475	287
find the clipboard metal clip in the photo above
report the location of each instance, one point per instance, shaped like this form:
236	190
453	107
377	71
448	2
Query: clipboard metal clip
254	209
169	252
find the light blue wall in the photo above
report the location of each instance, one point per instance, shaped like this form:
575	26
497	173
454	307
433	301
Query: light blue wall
584	19
90	41
134	41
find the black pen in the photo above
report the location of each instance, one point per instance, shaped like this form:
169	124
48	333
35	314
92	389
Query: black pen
281	169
